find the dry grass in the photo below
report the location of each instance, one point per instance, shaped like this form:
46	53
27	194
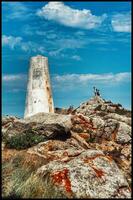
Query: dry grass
19	179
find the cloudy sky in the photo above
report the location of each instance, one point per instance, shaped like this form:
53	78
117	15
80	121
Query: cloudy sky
88	44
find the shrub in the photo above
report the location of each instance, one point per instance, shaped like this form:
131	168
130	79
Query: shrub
23	141
91	140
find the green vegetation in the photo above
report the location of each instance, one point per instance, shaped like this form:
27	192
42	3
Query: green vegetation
20	181
91	140
23	141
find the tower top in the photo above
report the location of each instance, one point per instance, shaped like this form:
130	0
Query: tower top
39	56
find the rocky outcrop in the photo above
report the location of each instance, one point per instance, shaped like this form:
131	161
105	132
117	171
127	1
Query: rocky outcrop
87	175
101	107
51	118
86	154
46	124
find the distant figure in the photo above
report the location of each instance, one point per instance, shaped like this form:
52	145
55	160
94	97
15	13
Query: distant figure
96	91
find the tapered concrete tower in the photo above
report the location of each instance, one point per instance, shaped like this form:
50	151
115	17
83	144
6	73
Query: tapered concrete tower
39	95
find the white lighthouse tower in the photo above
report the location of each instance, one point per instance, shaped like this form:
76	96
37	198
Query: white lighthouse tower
39	95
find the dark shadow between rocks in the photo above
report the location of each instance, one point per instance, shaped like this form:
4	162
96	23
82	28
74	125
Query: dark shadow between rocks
54	131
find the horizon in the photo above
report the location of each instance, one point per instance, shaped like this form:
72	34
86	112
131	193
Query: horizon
93	49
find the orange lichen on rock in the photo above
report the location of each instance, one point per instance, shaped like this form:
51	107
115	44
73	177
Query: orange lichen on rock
61	177
50	147
114	134
86	160
53	157
84	135
99	172
86	123
65	153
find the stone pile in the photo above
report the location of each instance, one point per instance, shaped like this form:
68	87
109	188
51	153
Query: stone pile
86	154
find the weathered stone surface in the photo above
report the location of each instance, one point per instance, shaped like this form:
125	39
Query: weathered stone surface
119	118
52	131
101	106
50	118
124	133
121	154
49	124
57	150
87	175
85	155
110	126
7	119
12	125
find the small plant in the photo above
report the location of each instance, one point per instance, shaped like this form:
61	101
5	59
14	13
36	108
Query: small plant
24	140
91	140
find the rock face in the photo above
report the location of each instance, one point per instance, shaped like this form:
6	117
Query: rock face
50	126
50	118
86	154
99	105
87	175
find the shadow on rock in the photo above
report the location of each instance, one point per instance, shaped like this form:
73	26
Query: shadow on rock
54	131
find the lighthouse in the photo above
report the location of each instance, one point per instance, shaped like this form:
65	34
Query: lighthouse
39	94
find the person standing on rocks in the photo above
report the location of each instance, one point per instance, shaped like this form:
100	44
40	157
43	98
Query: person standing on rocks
96	91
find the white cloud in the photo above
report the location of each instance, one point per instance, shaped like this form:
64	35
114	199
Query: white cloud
70	80
28	46
13	77
76	57
79	33
32	47
11	41
16	10
14	83
59	46
28	30
71	43
63	14
56	52
121	22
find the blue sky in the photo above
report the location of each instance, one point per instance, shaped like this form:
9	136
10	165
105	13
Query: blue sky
87	43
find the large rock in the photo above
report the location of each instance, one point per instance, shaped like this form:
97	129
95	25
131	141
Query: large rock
120	153
119	118
12	125
51	125
97	105
124	133
51	118
88	175
109	128
52	131
57	150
